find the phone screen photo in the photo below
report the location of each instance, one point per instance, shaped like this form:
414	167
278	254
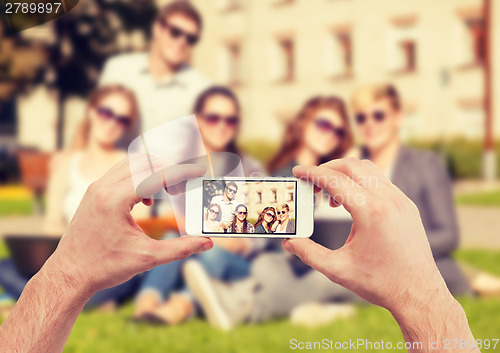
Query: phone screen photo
249	206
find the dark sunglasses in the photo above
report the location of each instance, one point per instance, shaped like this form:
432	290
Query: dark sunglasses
282	212
233	191
107	114
177	32
216	212
270	214
325	125
242	212
378	115
214	119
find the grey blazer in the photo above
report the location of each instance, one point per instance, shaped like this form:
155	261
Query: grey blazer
421	175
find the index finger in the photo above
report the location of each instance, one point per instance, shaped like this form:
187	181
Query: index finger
169	176
342	189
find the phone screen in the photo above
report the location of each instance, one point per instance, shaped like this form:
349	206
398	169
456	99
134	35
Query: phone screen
249	206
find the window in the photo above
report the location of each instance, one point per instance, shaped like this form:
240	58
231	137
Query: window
471	40
230	70
282	65
259	197
230	5
338	54
402	45
275	196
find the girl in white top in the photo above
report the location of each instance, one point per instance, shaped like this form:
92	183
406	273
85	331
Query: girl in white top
111	112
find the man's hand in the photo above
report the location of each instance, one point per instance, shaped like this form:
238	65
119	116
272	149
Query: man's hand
386	259
102	247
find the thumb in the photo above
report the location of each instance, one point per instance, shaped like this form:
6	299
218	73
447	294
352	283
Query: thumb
165	251
317	256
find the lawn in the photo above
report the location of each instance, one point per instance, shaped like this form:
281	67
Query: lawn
114	332
491	199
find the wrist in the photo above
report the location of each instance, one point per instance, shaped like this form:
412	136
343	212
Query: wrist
65	280
435	315
423	304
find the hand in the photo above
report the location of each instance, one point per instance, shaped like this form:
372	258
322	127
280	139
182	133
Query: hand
275	225
386	259
103	246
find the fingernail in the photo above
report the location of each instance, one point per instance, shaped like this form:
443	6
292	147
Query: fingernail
206	246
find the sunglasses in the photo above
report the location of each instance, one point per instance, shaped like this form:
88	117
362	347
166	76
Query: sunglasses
215	212
177	32
232	191
270	214
282	212
326	126
378	116
242	212
214	119
108	114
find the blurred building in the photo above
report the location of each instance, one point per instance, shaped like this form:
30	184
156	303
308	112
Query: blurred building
275	54
262	195
278	53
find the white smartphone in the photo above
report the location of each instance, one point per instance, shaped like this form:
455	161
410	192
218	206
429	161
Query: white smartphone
249	207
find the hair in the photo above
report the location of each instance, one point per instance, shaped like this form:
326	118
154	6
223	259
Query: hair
81	137
181	7
294	132
261	220
245	222
210	92
369	94
213	205
282	206
232	183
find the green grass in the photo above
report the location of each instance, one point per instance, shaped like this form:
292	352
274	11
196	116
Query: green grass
16	207
114	332
491	199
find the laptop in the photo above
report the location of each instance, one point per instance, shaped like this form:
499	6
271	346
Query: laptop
29	252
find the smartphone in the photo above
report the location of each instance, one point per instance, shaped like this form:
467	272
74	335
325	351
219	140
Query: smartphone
249	207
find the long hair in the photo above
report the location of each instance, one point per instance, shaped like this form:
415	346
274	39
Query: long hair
294	132
81	138
219	215
260	220
204	96
245	222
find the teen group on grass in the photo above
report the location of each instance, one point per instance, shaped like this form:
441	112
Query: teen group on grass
159	83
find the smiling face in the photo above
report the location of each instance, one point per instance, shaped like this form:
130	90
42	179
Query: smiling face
283	214
269	216
378	124
110	119
213	213
231	191
324	132
218	122
241	213
171	38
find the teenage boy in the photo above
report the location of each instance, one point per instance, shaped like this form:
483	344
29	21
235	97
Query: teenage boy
421	175
227	203
284	224
165	85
